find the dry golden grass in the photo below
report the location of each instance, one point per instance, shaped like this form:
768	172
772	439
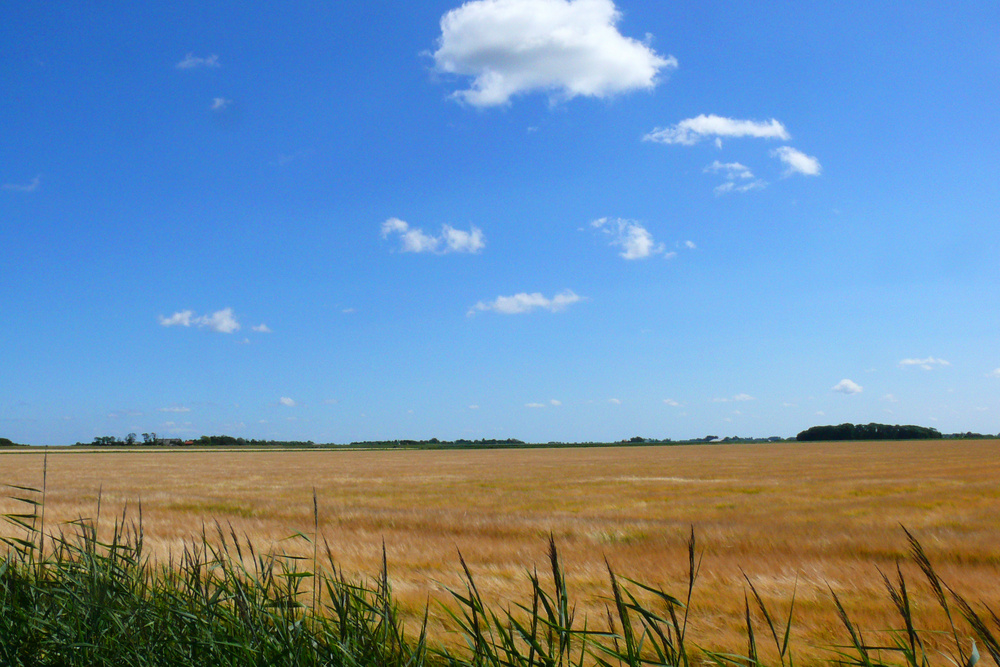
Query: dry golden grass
812	517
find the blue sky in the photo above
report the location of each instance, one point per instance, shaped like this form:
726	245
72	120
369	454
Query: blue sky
539	219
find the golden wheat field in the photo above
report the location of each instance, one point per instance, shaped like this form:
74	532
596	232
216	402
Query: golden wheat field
808	518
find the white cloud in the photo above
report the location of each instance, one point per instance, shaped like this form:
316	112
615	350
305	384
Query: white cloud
995	373
525	303
846	386
615	401
890	398
534	405
731	170
414	239
192	61
459	241
927	364
671	402
554	402
690	245
262	328
31	186
221	321
567	48
287	402
473	407
692	130
634	239
220	103
797	161
182	318
731	186
738	176
737	398
175	408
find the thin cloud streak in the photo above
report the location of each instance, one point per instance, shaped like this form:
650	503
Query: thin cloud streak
523	303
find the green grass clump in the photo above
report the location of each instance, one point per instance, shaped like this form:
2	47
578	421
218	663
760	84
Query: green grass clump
70	599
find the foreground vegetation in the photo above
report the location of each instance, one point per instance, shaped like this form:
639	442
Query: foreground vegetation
67	598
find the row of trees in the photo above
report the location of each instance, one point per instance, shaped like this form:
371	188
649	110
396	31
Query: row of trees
434	443
130	439
203	441
230	441
868	432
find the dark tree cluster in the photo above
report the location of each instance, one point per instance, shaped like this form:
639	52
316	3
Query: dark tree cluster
867	432
230	441
6	442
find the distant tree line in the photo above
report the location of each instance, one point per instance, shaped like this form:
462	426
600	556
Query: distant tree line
434	443
204	441
230	441
868	432
128	440
6	442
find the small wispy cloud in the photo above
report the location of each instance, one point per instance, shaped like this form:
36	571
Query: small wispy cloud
261	328
739	398
692	130
797	161
732	186
220	103
413	239
175	408
615	401
930	363
738	177
846	386
221	321
731	170
192	61
555	402
631	236
287	402
30	186
534	405
523	302
181	318
671	402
